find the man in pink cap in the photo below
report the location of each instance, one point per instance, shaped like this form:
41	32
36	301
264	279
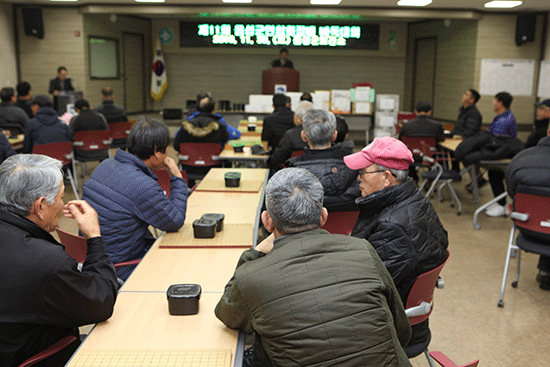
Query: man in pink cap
396	218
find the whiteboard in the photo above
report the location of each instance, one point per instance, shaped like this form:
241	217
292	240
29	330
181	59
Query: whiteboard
544	79
502	75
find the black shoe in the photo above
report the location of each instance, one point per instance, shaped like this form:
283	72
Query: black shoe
544	281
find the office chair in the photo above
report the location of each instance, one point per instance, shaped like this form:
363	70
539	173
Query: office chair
164	180
530	216
297	153
197	158
341	222
62	151
444	361
91	146
50	351
419	306
119	133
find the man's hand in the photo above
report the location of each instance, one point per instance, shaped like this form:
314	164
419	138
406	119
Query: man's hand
171	166
56	92
85	216
266	245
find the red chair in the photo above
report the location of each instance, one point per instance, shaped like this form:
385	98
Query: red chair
164	180
119	133
531	216
297	153
444	361
76	247
62	151
419	306
91	146
50	351
341	222
199	157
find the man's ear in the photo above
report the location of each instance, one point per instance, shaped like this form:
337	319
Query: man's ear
267	221
335	135
304	137
324	217
38	207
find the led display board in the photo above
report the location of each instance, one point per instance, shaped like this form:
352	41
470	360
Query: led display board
274	34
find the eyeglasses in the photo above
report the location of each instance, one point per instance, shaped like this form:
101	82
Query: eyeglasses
361	173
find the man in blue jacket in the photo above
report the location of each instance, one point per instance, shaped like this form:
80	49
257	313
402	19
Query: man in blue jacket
125	193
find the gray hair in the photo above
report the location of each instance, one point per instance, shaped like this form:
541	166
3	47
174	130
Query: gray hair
302	108
400	175
319	126
294	200
25	178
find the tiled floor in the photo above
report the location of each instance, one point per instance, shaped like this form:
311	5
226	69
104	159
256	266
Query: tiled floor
466	322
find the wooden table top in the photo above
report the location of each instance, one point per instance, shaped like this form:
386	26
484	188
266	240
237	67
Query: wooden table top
251	180
450	144
17	142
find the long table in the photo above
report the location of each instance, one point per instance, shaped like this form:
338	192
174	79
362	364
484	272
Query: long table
141	321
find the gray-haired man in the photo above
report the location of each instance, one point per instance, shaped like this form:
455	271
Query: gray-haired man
49	297
326	161
311	296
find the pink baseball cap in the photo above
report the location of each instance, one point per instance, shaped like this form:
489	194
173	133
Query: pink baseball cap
386	152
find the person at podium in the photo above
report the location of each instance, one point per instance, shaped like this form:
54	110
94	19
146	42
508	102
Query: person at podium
282	61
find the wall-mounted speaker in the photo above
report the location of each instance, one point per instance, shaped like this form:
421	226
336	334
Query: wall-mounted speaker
525	28
32	20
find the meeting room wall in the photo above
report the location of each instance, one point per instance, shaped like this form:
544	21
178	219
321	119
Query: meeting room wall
105	25
8	61
62	45
234	74
496	40
454	63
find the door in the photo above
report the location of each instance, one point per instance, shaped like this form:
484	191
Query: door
133	73
424	70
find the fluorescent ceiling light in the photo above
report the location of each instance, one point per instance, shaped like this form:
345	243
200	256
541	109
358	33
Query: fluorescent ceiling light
414	2
237	1
64	0
149	1
325	2
503	4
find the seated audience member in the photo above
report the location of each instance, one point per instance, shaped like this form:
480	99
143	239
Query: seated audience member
326	161
342	130
469	119
281	120
24	98
12	118
306	97
234	133
125	193
422	126
45	127
108	108
531	168
504	126
324	318
541	123
396	218
283	60
6	150
45	296
88	120
292	138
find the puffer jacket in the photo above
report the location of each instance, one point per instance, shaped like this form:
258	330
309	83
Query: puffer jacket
127	198
44	128
203	128
317	300
486	146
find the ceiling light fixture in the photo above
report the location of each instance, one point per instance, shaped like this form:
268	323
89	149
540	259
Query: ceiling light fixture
503	4
325	2
237	1
64	0
414	2
149	1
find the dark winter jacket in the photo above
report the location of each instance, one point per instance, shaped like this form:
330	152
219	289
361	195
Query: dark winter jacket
44	128
275	125
45	297
317	299
539	132
423	126
290	142
127	198
486	146
203	128
468	122
111	111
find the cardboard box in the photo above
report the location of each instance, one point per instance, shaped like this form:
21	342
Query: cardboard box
340	101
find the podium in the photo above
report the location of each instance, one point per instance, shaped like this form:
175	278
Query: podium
64	98
278	75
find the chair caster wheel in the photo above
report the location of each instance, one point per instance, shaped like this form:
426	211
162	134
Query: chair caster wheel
452	205
458	213
515	284
500	304
477	226
440	200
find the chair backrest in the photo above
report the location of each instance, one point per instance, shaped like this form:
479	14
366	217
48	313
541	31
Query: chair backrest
297	153
120	130
62	151
92	140
341	222
200	154
75	246
420	145
534	202
423	291
164	180
50	351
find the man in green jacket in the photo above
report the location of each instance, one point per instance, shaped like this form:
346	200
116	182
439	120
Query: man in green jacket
311	297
